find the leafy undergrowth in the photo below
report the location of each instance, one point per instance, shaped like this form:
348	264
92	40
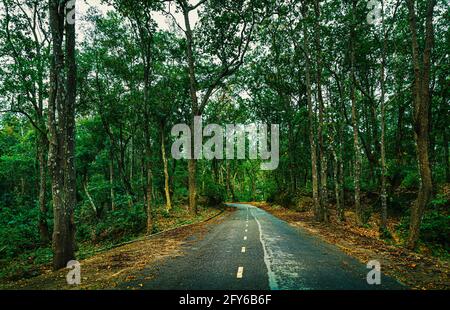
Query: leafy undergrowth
104	263
416	270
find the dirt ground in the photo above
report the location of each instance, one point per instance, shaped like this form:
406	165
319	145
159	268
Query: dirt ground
118	265
417	271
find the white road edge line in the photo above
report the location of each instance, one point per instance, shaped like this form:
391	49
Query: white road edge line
272	281
240	272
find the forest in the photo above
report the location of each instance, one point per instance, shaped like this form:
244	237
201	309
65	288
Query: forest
90	91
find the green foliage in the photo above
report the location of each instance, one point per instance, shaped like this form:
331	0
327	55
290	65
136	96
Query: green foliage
411	180
434	230
18	231
282	198
440	202
269	190
121	223
26	265
118	225
134	85
215	194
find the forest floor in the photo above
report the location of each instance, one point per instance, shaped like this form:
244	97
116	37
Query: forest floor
105	270
416	270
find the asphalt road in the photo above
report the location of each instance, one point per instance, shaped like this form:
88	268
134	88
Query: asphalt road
253	250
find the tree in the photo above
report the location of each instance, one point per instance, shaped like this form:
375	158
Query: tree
355	118
383	190
140	15
323	215
223	39
311	121
422	101
61	124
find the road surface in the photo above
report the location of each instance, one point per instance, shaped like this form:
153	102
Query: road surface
253	250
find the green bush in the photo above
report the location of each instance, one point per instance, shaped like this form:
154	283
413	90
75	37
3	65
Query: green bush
18	231
283	198
434	230
115	225
215	194
440	202
411	180
120	224
270	189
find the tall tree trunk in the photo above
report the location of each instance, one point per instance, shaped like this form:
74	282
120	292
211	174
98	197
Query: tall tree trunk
444	114
337	189
131	162
121	162
341	215
192	163
111	179
337	161
446	156
422	101
43	226
148	172
376	152
172	177
149	192
166	171
399	157
70	100
341	175
312	141
43	144
383	224
229	181
91	200
320	129
146	57
62	133
149	181
341	134
355	121
292	172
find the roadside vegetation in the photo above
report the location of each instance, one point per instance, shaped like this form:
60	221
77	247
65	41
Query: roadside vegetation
87	111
